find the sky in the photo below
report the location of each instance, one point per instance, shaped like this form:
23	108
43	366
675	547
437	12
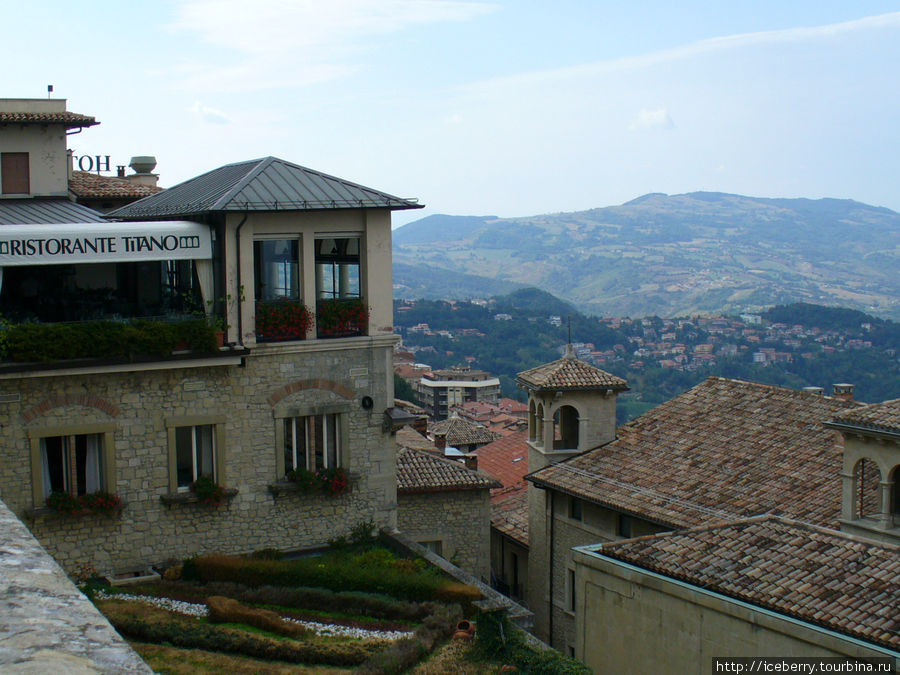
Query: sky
508	108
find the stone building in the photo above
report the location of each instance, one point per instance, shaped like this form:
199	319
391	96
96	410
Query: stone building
270	250
445	507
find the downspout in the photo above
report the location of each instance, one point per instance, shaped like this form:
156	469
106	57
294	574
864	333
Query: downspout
240	286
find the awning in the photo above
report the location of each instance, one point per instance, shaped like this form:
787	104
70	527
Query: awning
72	243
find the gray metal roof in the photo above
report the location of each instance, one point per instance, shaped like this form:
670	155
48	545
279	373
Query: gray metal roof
268	184
40	211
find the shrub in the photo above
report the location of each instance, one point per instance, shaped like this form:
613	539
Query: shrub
267	554
324	572
226	610
158	627
403	654
105	339
498	639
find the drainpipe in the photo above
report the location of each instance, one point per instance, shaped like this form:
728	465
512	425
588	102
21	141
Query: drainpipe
237	244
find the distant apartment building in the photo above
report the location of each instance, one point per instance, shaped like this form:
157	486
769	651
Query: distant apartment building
442	389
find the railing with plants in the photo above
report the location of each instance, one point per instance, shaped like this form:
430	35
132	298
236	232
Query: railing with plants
29	342
280	320
346	317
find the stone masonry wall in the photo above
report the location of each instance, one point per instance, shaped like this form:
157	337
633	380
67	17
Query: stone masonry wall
136	403
46	624
459	519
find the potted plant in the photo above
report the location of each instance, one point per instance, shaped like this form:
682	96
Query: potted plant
342	317
208	491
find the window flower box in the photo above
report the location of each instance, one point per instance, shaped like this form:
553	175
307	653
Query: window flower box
331	482
98	503
341	318
282	320
187	497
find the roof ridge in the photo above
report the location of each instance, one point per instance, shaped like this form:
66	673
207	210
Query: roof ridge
241	183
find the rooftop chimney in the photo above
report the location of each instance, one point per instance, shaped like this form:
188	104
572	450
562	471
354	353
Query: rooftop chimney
143	166
818	391
440	442
843	391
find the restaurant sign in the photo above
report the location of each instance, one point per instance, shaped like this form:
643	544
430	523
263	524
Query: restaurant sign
49	244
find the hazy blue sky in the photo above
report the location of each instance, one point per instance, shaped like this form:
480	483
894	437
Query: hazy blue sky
507	108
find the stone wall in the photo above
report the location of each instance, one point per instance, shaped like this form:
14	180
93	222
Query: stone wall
460	520
246	400
46	624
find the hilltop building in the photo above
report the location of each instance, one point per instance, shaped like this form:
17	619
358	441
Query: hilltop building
440	390
296	267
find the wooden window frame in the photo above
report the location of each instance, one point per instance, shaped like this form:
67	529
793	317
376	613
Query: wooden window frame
174	423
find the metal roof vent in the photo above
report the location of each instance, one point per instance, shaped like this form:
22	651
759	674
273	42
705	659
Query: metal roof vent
143	164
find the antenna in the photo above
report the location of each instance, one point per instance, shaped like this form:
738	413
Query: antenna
569	321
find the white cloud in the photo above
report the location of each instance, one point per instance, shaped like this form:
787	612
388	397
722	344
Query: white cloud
804	34
652	119
305	41
208	114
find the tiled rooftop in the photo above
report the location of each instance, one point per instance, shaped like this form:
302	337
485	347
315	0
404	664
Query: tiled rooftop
460	431
419	471
569	373
69	119
509	512
877	417
90	185
407	437
506	459
724	449
813	574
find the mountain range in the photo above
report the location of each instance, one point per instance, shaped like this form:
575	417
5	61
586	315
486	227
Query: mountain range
665	255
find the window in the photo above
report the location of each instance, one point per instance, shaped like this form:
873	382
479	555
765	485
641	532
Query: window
337	268
312	442
570	597
311	438
575	508
14	173
276	269
194	453
196	448
78	460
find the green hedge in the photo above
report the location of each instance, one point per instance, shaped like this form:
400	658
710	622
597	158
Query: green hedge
106	339
193	634
400	579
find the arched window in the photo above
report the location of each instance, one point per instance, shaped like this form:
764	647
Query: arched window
868	477
565	428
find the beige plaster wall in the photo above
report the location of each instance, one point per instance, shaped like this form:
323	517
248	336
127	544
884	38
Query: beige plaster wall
459	519
246	398
46	147
373	226
629	621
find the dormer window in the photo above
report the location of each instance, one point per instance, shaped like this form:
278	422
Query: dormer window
14	173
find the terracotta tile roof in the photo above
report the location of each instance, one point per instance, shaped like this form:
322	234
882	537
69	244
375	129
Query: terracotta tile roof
506	459
819	576
460	431
876	417
509	512
724	449
419	471
407	437
90	185
69	119
569	373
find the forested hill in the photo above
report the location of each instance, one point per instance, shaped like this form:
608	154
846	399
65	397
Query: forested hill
803	345
665	255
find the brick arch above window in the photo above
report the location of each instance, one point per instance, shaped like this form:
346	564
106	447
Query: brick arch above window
315	383
64	400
